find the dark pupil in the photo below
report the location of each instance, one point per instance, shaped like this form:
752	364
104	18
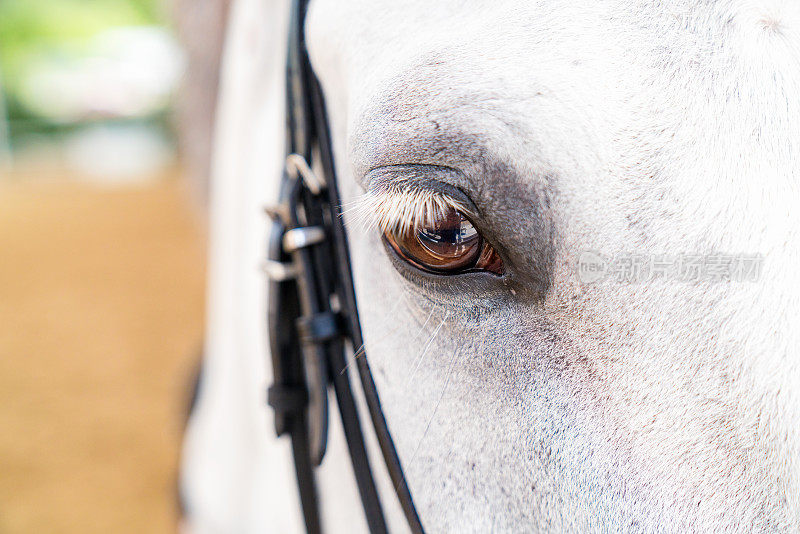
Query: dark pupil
452	237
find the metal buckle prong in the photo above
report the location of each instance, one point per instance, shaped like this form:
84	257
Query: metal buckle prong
297	165
278	271
298	238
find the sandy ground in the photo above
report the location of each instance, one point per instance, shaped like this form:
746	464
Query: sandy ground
101	306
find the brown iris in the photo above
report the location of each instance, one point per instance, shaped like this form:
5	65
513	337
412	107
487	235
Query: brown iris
447	245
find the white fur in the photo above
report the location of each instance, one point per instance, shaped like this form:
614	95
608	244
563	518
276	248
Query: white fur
606	125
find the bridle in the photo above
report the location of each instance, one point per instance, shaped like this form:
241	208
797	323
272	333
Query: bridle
313	317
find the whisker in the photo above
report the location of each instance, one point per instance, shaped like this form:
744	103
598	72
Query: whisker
450	369
425	349
422	328
360	351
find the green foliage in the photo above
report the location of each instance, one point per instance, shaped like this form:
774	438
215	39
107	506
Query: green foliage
32	28
28	27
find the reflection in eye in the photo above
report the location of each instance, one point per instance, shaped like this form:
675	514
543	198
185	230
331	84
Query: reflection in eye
449	244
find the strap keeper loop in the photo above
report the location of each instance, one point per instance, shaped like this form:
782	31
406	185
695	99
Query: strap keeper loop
319	328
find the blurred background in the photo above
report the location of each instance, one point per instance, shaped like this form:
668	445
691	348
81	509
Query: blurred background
106	120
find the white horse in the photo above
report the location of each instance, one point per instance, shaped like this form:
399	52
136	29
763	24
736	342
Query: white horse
520	397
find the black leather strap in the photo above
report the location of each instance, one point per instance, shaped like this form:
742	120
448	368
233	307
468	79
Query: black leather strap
287	399
306	334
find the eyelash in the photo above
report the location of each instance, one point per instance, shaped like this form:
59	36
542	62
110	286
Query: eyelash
402	206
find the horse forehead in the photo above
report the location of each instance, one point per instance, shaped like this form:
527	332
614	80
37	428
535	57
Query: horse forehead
666	88
382	34
385	36
392	72
358	42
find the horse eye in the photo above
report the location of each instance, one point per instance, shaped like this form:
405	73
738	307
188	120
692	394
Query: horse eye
448	245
